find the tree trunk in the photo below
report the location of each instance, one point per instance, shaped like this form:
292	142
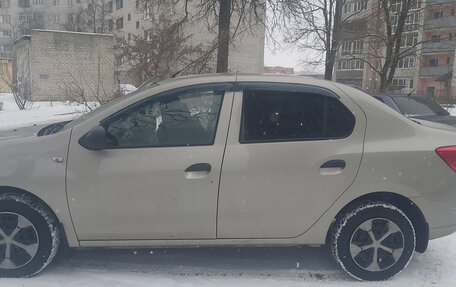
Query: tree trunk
223	35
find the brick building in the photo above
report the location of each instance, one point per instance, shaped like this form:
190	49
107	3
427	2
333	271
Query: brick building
57	65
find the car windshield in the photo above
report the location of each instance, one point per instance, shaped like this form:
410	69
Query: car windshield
413	106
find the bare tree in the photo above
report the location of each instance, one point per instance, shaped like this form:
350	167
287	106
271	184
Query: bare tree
20	85
317	25
161	51
232	18
87	90
95	17
391	38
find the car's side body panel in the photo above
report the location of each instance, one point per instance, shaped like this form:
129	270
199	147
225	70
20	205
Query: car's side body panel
276	189
38	165
143	193
399	157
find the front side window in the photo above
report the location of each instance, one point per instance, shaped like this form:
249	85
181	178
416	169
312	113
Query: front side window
269	116
179	119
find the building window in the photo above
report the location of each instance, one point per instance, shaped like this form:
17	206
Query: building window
409	40
119	23
352	64
448	61
147	11
119	4
41	2
435	38
109	6
137	24
5	33
5	19
38	16
129	36
406	62
129	16
450	36
24	3
433	62
23	18
4	3
452	12
438	15
56	3
56	18
119	61
406	83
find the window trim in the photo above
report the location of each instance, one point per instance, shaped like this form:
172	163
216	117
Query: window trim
308	89
226	86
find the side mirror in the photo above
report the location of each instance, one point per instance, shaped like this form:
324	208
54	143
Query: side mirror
95	139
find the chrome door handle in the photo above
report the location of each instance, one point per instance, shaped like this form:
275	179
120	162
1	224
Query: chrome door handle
335	166
197	171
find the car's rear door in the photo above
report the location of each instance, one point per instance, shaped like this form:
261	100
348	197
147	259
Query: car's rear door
292	150
159	179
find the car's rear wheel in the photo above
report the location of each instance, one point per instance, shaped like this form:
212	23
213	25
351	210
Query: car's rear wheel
29	236
373	241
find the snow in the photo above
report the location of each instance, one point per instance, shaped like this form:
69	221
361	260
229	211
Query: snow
452	111
265	267
126	88
38	113
268	267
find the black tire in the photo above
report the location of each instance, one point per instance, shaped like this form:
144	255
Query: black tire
38	232
373	241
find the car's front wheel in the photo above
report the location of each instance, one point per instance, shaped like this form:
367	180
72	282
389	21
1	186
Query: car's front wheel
373	241
29	236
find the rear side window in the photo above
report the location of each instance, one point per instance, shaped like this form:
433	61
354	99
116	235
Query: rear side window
269	116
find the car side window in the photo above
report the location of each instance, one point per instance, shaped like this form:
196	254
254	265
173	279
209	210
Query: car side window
181	119
269	116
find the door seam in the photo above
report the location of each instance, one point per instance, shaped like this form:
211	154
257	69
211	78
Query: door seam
221	166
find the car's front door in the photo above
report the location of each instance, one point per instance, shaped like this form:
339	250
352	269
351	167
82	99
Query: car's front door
158	176
292	150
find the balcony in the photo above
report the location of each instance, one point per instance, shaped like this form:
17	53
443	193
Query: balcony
436	2
435	71
445	22
439	47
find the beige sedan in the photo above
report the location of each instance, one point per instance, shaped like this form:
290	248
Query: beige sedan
231	160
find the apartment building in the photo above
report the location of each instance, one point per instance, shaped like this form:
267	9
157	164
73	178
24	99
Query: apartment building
130	18
123	18
438	51
18	17
429	41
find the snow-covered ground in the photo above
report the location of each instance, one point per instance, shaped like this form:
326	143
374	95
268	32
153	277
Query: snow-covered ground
38	113
265	267
291	266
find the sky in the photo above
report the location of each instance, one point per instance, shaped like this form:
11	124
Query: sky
290	58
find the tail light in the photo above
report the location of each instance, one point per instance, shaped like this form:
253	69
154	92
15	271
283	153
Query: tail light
448	154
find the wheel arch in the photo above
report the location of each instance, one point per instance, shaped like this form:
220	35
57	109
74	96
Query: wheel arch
405	204
11	189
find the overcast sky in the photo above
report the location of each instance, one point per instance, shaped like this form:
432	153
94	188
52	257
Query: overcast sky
289	58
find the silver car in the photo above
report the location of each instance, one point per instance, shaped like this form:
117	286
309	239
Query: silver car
230	160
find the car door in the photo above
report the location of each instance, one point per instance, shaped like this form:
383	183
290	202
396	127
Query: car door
292	150
158	176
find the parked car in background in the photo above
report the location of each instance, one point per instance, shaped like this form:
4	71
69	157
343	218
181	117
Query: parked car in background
232	160
418	108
